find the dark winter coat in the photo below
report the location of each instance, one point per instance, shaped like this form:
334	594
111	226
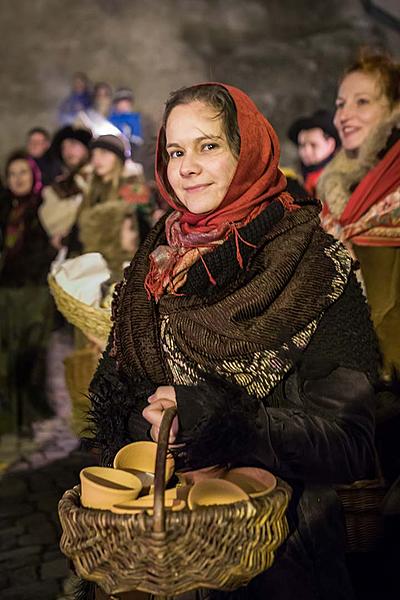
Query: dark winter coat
29	261
314	427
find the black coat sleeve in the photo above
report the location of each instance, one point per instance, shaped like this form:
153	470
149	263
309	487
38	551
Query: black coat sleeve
324	435
115	414
327	438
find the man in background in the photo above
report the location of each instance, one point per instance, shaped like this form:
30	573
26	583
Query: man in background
317	141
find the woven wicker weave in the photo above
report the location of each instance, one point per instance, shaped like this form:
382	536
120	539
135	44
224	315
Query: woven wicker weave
92	321
79	370
220	547
361	502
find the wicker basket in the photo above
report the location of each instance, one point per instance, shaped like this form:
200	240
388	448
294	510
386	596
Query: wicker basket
92	321
79	370
169	553
362	502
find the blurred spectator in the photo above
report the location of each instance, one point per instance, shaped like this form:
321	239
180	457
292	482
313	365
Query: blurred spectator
124	117
78	99
61	199
317	140
37	142
95	117
360	191
116	201
25	303
102	98
71	146
38	146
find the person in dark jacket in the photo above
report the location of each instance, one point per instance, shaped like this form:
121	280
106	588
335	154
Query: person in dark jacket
37	142
317	142
25	303
241	311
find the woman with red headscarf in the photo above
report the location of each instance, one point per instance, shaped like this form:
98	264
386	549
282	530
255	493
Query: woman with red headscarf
237	309
25	303
360	190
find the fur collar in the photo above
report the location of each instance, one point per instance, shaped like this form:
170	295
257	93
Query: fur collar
343	173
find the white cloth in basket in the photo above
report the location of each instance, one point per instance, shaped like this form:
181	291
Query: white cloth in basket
82	277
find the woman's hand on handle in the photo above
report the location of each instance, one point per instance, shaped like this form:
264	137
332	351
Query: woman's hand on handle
164	397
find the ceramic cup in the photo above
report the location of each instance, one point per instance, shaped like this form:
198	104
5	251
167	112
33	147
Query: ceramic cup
101	487
139	458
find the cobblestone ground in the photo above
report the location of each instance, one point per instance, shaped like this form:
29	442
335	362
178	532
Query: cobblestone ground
35	473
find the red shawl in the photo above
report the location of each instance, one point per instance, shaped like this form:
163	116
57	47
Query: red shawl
383	179
257	181
371	215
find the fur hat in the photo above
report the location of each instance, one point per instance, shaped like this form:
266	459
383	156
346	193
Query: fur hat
83	136
112	143
321	119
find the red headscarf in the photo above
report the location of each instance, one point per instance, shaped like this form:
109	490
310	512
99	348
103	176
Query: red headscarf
257	181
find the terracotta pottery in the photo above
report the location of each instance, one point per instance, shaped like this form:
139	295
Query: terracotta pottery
215	491
139	458
101	487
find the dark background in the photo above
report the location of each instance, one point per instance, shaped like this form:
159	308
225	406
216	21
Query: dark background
287	54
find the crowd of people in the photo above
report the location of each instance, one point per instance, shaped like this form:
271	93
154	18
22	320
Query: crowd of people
76	191
273	326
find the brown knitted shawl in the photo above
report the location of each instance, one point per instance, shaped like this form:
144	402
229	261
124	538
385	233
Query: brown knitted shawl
273	307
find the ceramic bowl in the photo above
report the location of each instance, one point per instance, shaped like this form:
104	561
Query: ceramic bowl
215	491
171	502
252	480
139	458
101	487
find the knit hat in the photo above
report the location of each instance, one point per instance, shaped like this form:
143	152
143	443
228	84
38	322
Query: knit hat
321	119
123	94
112	143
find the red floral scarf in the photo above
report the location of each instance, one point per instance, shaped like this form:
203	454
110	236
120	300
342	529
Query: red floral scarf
257	181
372	214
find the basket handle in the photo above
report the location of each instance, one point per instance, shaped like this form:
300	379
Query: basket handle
159	480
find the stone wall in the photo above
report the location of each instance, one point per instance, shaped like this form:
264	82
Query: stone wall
287	54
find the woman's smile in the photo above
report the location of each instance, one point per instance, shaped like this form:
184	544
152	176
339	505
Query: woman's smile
201	165
199	187
360	107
